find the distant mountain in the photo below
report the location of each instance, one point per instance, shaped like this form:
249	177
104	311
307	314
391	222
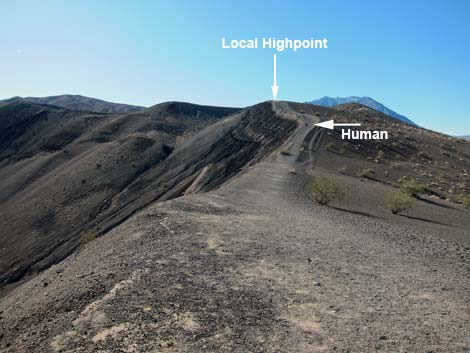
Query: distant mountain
77	102
467	137
367	101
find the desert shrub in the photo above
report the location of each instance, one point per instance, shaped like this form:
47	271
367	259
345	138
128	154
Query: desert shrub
325	190
466	202
399	202
286	149
379	157
366	172
329	146
85	238
412	187
343	169
286	152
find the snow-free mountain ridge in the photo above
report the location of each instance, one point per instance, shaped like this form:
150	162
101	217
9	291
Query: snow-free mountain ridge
367	101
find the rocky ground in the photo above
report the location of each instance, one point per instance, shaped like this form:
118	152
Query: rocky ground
254	266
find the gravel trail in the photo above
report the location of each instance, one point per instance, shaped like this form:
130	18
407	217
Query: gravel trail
254	266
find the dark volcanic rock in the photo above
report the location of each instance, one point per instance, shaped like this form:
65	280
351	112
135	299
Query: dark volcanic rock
252	265
60	170
70	176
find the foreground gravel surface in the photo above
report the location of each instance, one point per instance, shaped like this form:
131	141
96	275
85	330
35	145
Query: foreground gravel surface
252	267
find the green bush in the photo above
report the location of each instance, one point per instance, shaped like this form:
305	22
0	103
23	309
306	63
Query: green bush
325	190
412	188
399	202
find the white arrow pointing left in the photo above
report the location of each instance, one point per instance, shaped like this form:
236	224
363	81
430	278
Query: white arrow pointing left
330	124
275	87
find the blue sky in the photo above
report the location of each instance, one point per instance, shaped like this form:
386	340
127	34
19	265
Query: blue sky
413	56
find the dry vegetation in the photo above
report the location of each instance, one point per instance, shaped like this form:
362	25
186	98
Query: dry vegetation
466	202
438	164
365	172
412	188
399	202
325	190
86	238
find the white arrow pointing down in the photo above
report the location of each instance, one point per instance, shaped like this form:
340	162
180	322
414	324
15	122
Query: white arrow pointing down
275	87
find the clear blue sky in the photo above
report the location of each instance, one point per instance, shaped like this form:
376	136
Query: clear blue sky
413	56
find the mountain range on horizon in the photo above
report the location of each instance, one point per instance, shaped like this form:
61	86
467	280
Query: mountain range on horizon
79	102
226	176
84	103
367	101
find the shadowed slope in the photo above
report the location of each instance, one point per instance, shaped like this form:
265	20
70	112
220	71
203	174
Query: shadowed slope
251	266
60	169
112	166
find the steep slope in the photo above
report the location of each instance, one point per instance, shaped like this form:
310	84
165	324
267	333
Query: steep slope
367	101
102	169
77	102
204	161
61	169
255	265
439	161
373	170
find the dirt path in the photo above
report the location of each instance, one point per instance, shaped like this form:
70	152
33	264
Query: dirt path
252	267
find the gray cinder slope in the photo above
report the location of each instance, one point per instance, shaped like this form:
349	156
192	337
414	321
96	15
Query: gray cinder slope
251	266
102	169
61	169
